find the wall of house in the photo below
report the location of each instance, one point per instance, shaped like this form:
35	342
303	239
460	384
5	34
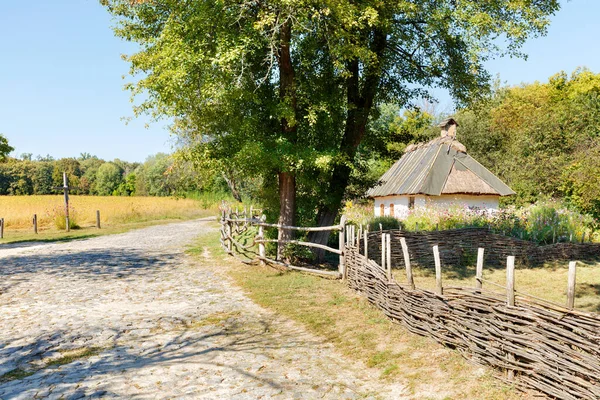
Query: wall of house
489	203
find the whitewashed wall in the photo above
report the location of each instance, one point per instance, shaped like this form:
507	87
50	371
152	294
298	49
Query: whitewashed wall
489	203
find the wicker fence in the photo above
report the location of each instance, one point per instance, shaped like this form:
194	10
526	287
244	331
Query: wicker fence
459	246
536	346
533	344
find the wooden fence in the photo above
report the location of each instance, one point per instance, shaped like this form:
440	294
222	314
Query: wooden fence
243	236
459	246
531	343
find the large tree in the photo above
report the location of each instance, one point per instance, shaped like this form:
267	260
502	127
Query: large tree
285	89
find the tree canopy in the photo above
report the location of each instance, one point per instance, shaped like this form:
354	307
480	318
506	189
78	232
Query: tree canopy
285	89
5	148
543	139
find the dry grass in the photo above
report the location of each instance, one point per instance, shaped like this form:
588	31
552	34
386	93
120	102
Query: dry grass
18	210
332	311
548	282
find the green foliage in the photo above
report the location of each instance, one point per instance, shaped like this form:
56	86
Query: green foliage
543	139
544	222
5	148
241	105
108	179
386	222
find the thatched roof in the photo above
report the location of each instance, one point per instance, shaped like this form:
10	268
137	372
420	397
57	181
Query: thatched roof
441	166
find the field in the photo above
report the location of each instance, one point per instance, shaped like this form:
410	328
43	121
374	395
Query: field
116	214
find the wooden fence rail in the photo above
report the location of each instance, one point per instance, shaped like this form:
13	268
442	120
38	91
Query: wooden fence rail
236	224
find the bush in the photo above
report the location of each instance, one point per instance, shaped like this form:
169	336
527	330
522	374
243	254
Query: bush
544	222
386	223
57	215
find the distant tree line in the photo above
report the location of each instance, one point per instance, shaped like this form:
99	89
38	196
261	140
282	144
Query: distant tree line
160	175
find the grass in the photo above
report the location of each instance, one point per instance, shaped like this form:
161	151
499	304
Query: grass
548	282
359	331
66	357
117	214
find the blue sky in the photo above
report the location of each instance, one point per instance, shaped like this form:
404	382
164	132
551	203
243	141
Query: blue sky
61	76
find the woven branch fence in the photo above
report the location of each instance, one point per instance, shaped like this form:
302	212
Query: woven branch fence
535	346
531	343
458	246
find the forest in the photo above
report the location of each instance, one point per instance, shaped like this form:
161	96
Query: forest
158	175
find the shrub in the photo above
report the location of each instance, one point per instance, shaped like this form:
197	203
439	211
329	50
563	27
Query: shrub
57	215
386	223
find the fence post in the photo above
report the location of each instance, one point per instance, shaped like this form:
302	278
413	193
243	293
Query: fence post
510	280
383	250
409	275
261	245
366	233
583	237
571	285
510	295
342	265
1	228
479	270
35	223
98	219
229	233
438	270
388	256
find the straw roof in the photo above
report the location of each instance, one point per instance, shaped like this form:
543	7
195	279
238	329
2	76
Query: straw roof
441	166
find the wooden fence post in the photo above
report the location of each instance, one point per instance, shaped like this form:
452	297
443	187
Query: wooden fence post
571	285
35	224
438	270
1	228
366	233
510	280
409	275
388	257
229	233
583	237
261	245
98	219
510	295
479	270
342	265
383	252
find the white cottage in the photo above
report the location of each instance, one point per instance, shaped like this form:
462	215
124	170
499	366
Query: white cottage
438	173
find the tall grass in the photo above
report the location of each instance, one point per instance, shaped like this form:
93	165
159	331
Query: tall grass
18	211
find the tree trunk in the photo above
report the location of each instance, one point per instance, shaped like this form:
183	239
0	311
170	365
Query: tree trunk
230	180
359	107
287	208
287	94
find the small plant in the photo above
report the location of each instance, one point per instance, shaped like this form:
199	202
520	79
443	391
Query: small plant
385	222
57	215
294	253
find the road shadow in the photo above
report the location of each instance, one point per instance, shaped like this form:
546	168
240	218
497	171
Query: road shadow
201	347
91	264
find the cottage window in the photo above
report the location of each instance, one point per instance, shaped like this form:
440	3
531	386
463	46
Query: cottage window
381	210
392	210
411	202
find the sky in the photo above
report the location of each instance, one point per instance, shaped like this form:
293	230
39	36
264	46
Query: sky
61	85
